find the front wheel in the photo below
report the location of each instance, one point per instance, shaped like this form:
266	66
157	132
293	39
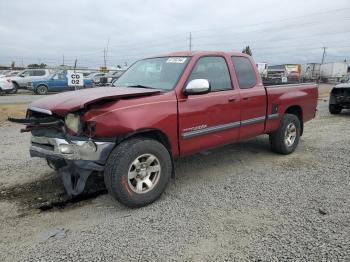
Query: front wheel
286	138
334	109
138	171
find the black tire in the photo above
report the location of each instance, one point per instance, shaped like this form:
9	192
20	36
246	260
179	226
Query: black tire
278	139
119	163
42	90
334	109
15	89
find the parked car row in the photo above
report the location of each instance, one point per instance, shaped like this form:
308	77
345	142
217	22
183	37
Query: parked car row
43	81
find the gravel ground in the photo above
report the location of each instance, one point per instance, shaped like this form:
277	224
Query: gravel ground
239	202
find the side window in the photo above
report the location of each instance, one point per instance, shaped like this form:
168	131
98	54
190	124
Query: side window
244	71
25	73
214	69
39	73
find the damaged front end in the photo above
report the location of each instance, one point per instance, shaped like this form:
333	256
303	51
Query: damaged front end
75	157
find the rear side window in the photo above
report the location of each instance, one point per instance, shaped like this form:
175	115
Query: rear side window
39	72
214	69
244	71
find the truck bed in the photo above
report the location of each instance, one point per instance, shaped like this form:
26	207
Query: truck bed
301	98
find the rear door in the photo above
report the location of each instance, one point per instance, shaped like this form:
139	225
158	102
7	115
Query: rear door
38	74
211	119
253	97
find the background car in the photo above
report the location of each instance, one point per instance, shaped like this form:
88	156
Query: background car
57	82
21	80
95	77
108	79
6	86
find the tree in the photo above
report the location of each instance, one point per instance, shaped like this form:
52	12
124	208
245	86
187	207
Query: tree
247	50
13	64
42	65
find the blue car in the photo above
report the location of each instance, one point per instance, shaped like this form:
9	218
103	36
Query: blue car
54	83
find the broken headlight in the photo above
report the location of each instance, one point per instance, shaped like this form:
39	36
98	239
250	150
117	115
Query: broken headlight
72	122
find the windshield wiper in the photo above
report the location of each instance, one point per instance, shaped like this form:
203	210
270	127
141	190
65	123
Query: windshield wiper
142	86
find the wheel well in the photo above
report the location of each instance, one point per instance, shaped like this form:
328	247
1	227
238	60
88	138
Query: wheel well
42	85
150	133
297	111
15	83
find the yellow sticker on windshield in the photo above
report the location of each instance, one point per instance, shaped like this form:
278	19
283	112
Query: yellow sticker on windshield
176	60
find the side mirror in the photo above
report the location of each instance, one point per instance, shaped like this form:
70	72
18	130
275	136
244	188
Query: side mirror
197	87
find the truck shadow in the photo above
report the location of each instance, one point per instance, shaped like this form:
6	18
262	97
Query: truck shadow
49	194
228	155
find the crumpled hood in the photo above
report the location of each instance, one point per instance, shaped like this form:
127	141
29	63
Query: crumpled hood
66	102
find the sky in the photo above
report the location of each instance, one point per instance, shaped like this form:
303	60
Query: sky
277	31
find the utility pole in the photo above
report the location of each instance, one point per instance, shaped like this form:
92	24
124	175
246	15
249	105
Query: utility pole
107	51
190	41
104	56
324	54
63	59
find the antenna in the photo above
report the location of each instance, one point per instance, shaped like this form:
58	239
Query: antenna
324	54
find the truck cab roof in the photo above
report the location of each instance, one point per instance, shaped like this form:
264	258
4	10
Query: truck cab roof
202	53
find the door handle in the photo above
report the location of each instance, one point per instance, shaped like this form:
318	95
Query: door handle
231	99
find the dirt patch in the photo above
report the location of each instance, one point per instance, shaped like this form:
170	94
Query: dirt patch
49	193
12	110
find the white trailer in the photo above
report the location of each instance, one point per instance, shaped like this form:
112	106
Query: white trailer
262	68
333	72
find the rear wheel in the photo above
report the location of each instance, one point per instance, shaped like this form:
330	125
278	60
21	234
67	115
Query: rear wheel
334	109
42	90
138	171
286	138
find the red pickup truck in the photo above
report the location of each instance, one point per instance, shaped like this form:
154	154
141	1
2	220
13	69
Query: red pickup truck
160	109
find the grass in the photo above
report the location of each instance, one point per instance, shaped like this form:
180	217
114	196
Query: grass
12	110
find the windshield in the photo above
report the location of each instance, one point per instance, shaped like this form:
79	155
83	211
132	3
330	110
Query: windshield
159	73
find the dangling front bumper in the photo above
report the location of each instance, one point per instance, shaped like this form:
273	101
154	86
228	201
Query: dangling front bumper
61	148
81	156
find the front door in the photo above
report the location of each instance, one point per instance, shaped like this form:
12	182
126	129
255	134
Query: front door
59	83
211	119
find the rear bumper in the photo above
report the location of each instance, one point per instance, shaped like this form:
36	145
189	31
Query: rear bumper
58	148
